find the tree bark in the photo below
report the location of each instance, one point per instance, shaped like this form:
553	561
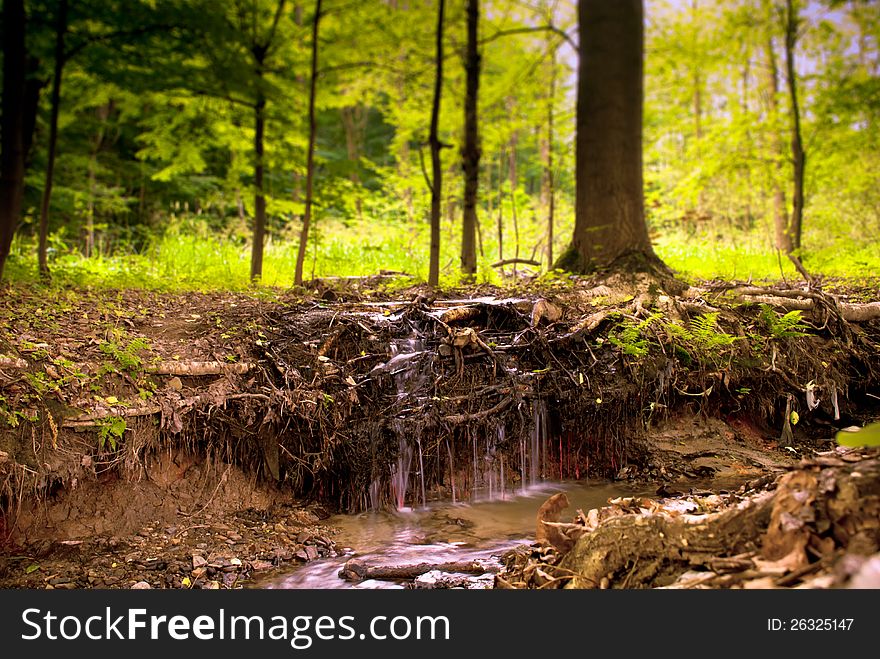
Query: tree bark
354	122
548	193
471	150
12	124
798	156
609	202
60	32
310	155
780	220
434	142
259	195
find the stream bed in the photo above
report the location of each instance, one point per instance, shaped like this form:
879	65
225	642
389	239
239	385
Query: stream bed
442	532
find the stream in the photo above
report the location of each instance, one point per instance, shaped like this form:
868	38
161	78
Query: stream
442	532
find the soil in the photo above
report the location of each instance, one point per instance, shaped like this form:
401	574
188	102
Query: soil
190	441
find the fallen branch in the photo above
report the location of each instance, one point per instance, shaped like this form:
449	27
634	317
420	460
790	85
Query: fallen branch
199	368
806	301
357	570
504	262
476	416
186	405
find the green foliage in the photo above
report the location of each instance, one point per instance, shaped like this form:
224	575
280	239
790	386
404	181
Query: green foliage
126	356
785	326
110	431
703	340
867	436
630	338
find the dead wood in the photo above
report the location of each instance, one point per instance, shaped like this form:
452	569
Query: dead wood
357	570
796	300
199	368
477	416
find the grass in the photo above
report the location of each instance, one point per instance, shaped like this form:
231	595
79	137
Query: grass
181	260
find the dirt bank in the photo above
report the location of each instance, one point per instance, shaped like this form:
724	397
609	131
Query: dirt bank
130	416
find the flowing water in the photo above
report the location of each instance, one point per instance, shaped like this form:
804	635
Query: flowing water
442	532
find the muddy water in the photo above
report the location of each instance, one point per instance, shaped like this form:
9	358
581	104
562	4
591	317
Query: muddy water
442	532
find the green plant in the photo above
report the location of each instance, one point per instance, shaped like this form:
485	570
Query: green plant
110	429
629	336
781	327
704	339
126	356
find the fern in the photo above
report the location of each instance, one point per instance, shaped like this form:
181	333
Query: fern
630	340
782	327
705	339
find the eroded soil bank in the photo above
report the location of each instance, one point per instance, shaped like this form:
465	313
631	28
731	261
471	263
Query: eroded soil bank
191	441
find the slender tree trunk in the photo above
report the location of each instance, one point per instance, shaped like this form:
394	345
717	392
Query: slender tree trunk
609	202
471	150
354	121
259	195
434	141
798	156
310	154
12	124
501	206
780	219
60	31
548	194
514	184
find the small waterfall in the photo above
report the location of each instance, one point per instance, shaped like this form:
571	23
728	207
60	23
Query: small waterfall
375	493
538	443
400	470
451	469
422	472
500	442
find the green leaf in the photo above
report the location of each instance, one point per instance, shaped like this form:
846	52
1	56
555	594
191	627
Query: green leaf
33	567
867	436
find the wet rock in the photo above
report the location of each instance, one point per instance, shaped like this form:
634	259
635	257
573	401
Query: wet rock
303	537
198	561
259	566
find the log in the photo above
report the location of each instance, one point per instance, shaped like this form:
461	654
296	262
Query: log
807	301
357	570
199	368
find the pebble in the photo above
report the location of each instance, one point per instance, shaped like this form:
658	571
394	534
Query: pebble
141	585
198	561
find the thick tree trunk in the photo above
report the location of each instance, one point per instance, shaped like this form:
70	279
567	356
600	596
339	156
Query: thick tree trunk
798	156
12	124
259	196
310	154
61	29
434	141
609	203
471	150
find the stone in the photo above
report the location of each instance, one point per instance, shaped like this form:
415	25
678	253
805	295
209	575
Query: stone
141	585
198	561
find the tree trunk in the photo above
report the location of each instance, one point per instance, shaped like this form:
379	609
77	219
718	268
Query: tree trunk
798	156
259	196
471	150
609	202
310	154
61	29
434	141
780	219
548	196
354	121
12	124
501	205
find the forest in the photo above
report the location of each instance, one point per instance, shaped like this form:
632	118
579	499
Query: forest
270	264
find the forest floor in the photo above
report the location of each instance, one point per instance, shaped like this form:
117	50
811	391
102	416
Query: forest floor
169	440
